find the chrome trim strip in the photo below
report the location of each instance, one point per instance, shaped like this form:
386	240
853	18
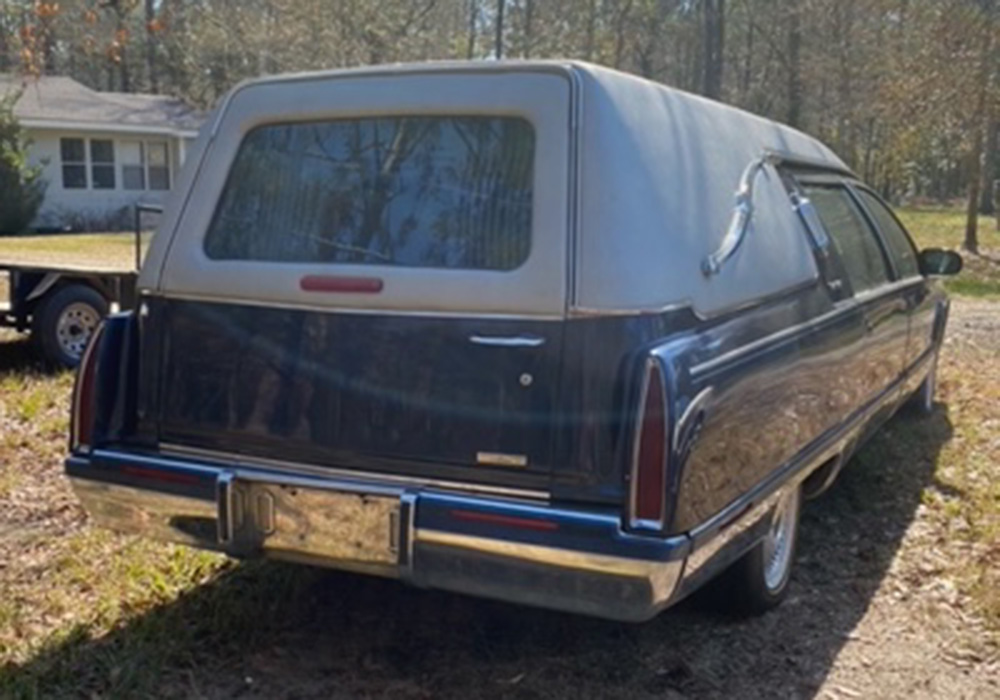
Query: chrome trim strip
574	184
408	525
780	157
224	499
424	313
513	341
236	460
662	576
784	334
843	307
886	289
589	312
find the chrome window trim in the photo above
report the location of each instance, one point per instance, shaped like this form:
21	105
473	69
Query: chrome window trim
856	188
289	306
232	460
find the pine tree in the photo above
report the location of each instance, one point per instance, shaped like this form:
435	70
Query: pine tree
21	186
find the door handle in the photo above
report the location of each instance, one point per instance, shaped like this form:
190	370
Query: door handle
508	341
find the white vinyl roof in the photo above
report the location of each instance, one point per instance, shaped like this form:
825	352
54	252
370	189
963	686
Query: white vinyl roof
654	178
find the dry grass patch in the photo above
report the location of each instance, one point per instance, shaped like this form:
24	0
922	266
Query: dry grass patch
897	585
945	228
93	251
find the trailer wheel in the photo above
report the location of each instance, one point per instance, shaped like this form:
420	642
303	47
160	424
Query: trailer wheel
65	321
759	580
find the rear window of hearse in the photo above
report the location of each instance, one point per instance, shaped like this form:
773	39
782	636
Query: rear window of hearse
443	192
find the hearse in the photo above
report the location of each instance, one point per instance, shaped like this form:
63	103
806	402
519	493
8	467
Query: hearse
535	331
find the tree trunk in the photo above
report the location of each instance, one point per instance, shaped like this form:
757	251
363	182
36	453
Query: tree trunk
527	38
746	75
981	119
794	86
588	50
154	82
470	51
498	41
986	204
713	13
620	25
971	242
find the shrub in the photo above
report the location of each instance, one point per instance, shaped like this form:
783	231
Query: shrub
21	186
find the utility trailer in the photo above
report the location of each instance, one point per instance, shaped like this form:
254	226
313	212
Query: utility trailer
59	291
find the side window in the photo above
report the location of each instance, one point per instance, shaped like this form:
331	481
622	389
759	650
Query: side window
894	234
853	239
411	191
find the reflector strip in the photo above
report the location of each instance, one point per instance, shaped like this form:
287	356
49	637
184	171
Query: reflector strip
171	477
505	520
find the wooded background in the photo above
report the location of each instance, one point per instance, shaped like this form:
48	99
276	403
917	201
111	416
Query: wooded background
906	91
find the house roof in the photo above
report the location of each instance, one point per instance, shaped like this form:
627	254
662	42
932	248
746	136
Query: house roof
57	101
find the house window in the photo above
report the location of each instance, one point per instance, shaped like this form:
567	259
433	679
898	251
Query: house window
74	163
145	165
102	164
133	165
159	165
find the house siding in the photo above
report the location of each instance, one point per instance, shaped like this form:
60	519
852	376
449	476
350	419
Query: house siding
90	208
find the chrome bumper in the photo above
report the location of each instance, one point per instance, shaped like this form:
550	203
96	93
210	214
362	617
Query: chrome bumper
523	552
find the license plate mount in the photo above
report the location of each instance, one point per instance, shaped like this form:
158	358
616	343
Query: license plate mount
334	527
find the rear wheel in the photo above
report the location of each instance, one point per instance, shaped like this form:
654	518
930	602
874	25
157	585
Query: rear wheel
759	580
64	323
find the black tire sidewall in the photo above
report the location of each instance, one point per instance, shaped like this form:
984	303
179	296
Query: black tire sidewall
46	318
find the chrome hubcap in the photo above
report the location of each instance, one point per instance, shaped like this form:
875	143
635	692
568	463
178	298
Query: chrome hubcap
75	326
780	540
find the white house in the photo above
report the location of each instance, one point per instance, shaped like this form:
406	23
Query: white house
102	152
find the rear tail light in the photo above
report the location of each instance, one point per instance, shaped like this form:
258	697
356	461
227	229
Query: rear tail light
83	413
650	454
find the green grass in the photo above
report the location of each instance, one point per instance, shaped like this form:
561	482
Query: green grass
945	228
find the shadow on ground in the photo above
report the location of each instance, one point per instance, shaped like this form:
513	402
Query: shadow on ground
277	631
21	355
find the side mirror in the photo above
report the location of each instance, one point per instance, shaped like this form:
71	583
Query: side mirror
935	261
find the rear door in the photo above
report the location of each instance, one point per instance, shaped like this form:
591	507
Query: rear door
871	280
371	273
904	255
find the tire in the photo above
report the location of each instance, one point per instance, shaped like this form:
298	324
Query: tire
65	321
758	581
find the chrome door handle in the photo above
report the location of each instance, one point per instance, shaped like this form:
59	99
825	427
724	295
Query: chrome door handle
508	341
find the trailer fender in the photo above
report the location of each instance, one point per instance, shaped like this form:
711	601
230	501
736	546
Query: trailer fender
47	283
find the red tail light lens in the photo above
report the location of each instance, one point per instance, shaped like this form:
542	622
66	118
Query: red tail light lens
84	395
649	461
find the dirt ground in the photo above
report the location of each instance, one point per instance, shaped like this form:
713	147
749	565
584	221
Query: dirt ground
887	600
